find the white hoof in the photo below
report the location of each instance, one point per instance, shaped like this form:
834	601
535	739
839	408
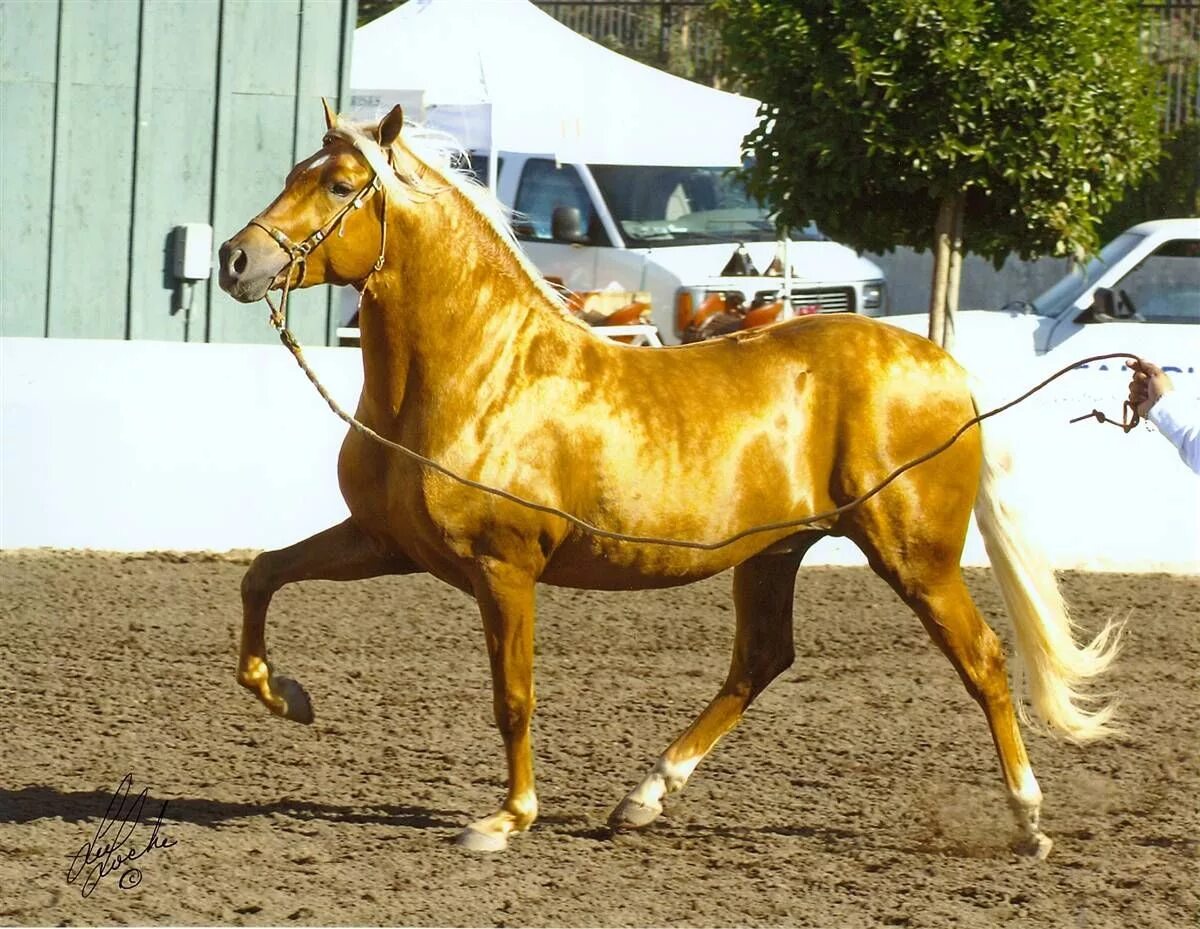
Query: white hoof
1035	846
296	705
632	814
473	840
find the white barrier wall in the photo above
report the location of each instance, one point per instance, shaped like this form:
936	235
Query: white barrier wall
152	445
165	446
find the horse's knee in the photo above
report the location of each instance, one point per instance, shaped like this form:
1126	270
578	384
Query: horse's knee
513	713
259	582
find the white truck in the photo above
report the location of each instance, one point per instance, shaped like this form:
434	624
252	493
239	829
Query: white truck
680	234
1140	294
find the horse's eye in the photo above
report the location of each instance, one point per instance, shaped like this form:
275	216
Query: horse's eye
341	189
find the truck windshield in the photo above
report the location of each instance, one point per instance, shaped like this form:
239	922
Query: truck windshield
657	206
1078	280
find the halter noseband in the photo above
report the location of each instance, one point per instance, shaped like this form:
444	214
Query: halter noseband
298	252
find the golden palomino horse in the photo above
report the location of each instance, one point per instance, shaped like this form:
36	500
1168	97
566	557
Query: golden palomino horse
470	360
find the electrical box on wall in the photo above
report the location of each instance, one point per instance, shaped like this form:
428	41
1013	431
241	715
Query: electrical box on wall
192	258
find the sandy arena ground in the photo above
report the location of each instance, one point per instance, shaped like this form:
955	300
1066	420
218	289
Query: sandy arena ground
862	789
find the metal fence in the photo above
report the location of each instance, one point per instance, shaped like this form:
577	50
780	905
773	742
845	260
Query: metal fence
682	37
679	36
1171	36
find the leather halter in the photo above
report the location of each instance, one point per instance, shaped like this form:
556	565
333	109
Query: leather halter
298	252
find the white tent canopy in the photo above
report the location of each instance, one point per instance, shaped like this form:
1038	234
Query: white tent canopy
503	75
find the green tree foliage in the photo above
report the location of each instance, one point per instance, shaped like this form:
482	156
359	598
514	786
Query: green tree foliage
991	126
1171	189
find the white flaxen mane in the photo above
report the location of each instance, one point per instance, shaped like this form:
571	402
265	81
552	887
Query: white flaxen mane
438	152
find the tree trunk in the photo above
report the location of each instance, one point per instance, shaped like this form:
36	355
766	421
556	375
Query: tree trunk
941	270
947	269
955	276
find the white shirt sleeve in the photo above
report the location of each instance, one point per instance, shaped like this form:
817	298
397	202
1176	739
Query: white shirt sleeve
1178	418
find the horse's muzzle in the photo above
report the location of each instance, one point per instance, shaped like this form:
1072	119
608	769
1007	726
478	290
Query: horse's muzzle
249	264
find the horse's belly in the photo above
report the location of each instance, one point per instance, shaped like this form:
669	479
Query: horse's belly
600	574
607	565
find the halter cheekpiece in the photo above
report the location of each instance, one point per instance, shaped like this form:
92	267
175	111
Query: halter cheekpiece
298	252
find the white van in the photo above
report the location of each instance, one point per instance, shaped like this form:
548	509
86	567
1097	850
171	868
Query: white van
1140	294
679	233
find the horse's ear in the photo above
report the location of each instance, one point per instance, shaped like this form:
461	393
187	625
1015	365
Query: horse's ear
330	115
389	128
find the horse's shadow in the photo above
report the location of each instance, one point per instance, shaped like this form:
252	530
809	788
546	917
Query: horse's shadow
28	804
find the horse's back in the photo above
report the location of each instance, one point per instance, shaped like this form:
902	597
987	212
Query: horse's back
828	363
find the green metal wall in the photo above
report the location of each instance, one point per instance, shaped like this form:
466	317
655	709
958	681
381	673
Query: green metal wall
121	119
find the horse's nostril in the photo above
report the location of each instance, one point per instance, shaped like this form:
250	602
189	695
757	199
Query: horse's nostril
237	262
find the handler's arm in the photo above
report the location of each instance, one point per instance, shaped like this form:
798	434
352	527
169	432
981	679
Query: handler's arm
1178	419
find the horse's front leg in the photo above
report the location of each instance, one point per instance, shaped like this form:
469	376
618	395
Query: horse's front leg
506	602
340	553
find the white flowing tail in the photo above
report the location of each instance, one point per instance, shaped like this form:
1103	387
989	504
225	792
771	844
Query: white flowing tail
1055	666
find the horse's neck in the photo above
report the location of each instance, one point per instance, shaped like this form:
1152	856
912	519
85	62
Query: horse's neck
451	309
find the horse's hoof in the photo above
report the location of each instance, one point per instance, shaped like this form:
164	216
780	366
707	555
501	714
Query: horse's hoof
296	705
633	815
1036	846
473	840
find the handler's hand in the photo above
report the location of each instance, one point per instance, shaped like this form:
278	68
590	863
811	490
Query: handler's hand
1149	382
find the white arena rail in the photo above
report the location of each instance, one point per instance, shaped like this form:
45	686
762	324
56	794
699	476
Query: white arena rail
133	446
643	334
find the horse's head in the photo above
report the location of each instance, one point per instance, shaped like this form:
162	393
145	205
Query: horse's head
316	231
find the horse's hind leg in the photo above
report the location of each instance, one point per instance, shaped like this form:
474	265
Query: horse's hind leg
340	553
763	589
939	596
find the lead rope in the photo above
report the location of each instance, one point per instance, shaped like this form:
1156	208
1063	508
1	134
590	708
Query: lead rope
1129	416
289	340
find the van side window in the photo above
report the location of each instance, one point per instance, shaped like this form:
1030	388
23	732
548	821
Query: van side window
1165	288
544	187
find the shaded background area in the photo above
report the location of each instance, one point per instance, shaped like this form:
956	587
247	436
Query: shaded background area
862	789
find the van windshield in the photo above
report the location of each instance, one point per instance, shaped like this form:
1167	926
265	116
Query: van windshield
657	206
1079	279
